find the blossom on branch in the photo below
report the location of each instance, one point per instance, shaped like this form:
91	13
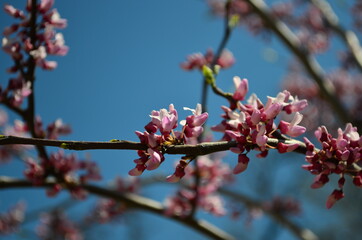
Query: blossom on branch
55	225
198	60
165	121
63	168
341	156
253	123
10	221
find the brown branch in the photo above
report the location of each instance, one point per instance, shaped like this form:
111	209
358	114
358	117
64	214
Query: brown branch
301	233
190	150
132	201
347	36
310	64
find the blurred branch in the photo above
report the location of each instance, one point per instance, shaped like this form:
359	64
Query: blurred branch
307	60
132	201
348	36
225	39
301	233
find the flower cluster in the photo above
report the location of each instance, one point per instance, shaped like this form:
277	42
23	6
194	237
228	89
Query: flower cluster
36	44
17	129
341	155
55	225
63	168
198	60
16	91
107	210
33	38
165	121
213	174
10	221
253	123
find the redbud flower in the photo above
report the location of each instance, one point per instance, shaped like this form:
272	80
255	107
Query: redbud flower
243	162
334	197
241	88
292	129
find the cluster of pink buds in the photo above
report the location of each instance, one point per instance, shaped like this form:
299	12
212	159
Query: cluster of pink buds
107	210
63	168
165	121
53	130
19	129
213	175
10	221
253	123
198	60
341	155
55	225
16	91
34	38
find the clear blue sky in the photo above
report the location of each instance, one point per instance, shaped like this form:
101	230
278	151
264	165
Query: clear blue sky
124	62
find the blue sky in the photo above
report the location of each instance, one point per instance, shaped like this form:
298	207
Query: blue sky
123	63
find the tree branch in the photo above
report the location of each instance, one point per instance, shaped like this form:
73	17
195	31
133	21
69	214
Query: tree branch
307	60
348	36
132	201
191	150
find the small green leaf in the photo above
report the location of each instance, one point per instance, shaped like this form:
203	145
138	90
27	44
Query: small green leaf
234	20
208	74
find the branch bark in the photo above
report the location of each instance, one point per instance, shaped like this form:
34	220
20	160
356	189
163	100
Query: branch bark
132	201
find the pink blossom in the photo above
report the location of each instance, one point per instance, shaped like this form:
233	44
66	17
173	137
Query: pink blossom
320	181
334	197
154	161
283	148
45	5
241	88
292	129
226	59
243	162
10	221
14	12
179	172
55	225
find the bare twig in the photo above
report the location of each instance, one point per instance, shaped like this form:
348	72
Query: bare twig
132	201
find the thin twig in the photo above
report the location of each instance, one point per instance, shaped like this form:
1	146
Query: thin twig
132	201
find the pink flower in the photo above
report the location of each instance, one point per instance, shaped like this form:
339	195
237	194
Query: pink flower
274	106
243	162
45	5
11	220
179	172
226	59
320	181
14	12
334	197
283	148
241	88
292	129
154	160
